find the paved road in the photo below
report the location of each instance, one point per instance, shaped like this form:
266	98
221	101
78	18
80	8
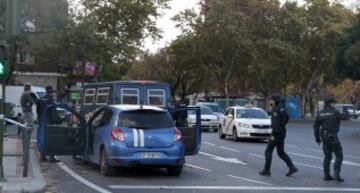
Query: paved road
226	166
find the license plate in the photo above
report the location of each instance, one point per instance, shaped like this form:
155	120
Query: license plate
150	155
263	131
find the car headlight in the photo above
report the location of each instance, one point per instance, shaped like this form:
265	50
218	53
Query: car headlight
244	125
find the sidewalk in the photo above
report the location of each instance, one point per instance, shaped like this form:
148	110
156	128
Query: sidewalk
12	162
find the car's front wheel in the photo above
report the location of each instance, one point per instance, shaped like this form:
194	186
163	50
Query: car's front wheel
174	170
235	135
105	168
221	134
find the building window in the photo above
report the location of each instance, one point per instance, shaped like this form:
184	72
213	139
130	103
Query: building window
23	57
156	97
89	96
130	96
102	96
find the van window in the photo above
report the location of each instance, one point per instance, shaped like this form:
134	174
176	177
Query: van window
130	96
156	97
89	96
102	96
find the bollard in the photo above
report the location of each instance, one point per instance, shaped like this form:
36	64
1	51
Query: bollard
26	149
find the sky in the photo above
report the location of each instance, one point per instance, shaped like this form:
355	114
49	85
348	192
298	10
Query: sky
170	32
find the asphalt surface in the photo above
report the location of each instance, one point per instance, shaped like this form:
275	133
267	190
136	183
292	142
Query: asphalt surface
226	166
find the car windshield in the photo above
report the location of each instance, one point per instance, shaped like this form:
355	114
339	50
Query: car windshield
41	94
206	110
145	119
349	107
251	113
214	107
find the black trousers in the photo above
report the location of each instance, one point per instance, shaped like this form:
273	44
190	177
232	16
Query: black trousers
331	144
278	142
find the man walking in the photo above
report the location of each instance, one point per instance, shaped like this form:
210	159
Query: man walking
326	128
279	119
26	102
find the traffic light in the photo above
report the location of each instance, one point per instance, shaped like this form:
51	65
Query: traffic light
3	63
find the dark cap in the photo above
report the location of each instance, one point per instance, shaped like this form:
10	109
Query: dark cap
49	89
330	99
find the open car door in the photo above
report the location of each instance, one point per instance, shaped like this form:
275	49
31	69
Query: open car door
191	135
64	130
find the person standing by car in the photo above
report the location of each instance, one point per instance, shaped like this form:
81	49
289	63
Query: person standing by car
41	108
26	102
279	119
180	117
326	128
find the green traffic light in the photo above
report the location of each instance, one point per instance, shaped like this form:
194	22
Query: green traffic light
2	71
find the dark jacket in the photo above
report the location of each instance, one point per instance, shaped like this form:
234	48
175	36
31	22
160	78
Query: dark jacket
26	102
328	120
279	119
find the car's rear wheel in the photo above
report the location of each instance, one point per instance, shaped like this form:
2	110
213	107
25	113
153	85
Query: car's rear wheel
174	170
221	134
105	168
235	135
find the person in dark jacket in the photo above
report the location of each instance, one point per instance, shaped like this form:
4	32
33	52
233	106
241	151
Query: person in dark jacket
180	117
26	102
279	119
52	119
326	128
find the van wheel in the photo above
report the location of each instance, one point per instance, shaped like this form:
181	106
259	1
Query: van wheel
221	134
235	135
105	168
174	170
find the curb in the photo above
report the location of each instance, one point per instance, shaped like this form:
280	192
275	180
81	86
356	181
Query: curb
35	184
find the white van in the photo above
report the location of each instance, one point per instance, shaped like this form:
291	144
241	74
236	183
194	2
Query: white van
13	95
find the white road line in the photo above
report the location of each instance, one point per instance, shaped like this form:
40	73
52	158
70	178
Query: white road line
81	179
296	163
230	149
197	167
250	180
345	162
207	143
319	151
229	160
258	188
290	145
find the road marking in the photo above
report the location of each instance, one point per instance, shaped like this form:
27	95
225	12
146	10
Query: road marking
345	162
229	160
81	179
259	188
290	145
250	180
319	151
230	149
297	163
207	143
197	167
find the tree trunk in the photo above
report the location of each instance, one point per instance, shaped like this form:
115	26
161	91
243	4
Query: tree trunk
226	84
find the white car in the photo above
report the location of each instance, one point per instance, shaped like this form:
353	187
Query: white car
245	122
209	120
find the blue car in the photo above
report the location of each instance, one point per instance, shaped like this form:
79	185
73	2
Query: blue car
123	136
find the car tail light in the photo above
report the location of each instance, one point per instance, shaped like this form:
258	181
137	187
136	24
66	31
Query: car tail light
117	134
177	135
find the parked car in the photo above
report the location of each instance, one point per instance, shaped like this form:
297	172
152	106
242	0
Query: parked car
215	107
209	120
122	136
245	122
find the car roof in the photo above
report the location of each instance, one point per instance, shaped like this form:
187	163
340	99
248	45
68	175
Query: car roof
208	103
246	107
136	107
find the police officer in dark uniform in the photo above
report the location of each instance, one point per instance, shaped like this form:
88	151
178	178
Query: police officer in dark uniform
180	117
326	127
279	119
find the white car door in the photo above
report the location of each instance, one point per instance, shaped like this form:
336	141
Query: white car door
228	121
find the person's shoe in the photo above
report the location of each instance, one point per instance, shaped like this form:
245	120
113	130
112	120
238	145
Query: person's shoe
338	177
53	159
292	171
328	178
265	173
43	159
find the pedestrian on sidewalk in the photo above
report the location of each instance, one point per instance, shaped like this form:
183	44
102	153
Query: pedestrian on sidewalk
279	119
326	128
27	103
43	103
